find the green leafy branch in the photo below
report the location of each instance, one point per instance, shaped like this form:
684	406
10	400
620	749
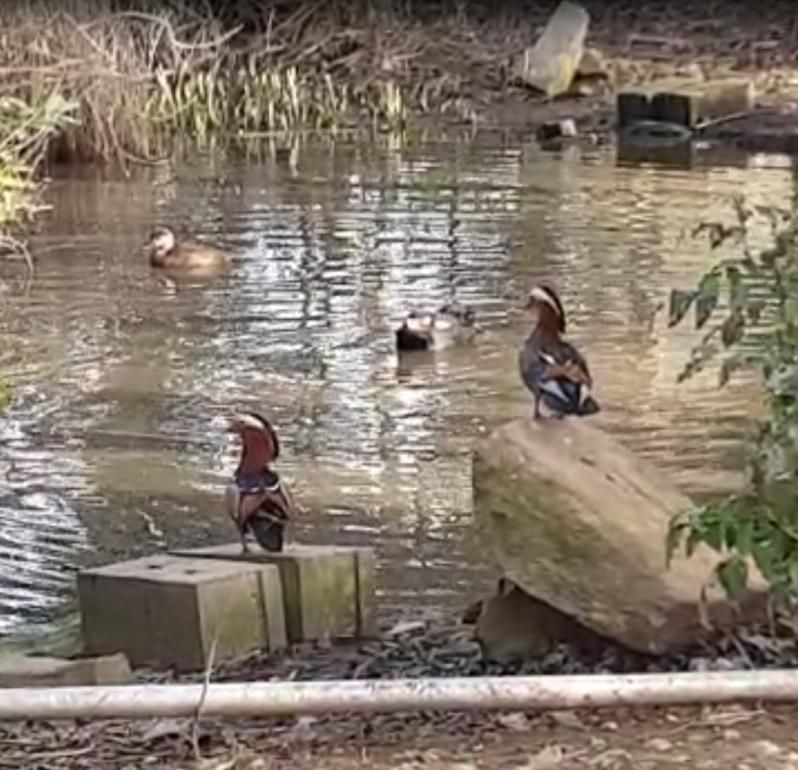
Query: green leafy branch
748	304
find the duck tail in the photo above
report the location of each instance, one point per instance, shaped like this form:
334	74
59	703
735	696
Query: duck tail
589	406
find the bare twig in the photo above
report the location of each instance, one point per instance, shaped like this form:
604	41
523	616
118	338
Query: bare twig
205	684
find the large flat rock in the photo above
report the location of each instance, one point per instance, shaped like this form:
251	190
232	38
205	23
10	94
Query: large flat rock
328	590
579	522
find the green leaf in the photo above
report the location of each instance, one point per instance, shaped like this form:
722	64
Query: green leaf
737	289
717	232
707	299
725	372
744	537
764	559
754	310
731	332
733	576
5	394
680	303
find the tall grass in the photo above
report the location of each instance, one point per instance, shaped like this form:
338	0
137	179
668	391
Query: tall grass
141	78
26	129
147	72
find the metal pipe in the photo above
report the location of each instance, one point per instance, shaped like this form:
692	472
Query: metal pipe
274	699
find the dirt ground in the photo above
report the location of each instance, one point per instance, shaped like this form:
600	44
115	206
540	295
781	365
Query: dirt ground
641	43
728	737
732	736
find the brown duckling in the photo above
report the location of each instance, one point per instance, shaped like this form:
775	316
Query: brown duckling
168	253
257	500
553	369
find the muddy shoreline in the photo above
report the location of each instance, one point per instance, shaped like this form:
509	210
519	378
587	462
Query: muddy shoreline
636	46
384	67
772	127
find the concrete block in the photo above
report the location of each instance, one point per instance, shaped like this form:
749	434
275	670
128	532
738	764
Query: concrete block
686	102
165	612
705	101
327	590
18	670
551	64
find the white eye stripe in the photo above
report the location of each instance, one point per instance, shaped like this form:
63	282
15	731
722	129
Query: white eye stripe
543	296
249	421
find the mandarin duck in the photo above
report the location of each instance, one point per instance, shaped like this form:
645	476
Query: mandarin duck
553	369
168	253
450	324
257	500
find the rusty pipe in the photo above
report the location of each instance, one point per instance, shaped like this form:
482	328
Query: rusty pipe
276	699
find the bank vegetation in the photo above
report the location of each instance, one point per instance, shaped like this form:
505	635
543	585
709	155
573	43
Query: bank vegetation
144	75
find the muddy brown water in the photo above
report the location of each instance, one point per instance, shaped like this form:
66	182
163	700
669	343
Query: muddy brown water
114	445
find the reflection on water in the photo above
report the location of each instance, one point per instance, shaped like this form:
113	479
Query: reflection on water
114	445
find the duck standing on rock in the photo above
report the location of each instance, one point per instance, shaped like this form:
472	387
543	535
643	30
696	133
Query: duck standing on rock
450	325
167	253
257	500
553	369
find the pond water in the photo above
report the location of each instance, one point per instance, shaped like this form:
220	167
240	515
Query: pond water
114	445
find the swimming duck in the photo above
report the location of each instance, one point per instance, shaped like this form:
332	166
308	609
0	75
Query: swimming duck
451	324
553	369
257	500
169	253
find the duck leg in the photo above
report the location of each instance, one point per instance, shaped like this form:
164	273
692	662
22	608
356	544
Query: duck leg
242	533
537	414
247	507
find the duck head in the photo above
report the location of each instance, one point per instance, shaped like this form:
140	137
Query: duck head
544	301
260	445
462	316
418	323
415	333
162	242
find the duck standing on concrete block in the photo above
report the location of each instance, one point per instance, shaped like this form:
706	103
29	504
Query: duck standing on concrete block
553	369
257	500
450	325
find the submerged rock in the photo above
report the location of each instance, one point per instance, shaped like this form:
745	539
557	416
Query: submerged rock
579	522
558	129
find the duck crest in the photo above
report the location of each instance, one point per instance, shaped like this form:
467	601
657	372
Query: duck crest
261	437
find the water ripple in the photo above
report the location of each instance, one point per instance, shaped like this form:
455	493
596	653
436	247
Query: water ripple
123	387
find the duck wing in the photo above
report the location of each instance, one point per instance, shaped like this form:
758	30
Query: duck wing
277	500
268	522
259	494
559	375
565	353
